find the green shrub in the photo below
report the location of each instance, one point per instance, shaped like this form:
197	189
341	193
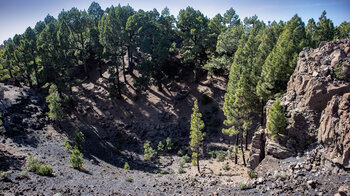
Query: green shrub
182	163
34	165
186	158
76	158
181	152
44	170
338	71
277	122
160	146
225	167
23	174
149	153
242	185
170	171
126	166
206	99
181	170
169	144
218	154
78	138
129	179
221	156
66	145
253	174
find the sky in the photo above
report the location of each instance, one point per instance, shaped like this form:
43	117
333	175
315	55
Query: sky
17	15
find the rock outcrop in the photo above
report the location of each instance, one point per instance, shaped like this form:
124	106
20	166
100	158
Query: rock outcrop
334	131
317	103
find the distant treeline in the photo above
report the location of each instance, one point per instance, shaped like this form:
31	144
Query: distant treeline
158	45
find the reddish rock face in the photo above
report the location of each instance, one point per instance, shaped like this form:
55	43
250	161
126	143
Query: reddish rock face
334	131
317	103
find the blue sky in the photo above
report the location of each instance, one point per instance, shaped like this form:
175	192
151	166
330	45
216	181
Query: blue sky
17	15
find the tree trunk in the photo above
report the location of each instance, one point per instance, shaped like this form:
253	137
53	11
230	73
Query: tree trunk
118	82
199	171
246	140
236	156
124	68
243	157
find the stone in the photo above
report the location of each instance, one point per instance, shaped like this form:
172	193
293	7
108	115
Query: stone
274	148
334	130
311	184
257	152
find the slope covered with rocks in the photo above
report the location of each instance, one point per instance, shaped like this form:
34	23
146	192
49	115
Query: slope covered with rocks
317	107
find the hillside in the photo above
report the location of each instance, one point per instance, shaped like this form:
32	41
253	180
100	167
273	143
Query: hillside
115	131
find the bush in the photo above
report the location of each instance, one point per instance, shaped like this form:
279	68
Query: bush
242	185
129	179
44	170
169	144
149	153
206	99
78	138
181	170
160	146
182	163
225	167
218	154
76	158
34	165
253	174
181	152
186	158
66	145
277	122
338	71
126	166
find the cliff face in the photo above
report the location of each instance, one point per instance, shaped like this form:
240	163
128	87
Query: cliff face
317	104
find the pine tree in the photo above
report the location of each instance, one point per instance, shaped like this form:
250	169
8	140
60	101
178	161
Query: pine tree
281	62
55	107
267	38
325	29
311	29
277	121
343	30
196	134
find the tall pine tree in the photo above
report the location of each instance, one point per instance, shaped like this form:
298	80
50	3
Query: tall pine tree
196	134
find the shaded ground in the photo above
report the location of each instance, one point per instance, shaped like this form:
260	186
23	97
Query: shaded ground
115	131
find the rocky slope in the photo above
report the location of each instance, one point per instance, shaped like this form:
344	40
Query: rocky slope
317	107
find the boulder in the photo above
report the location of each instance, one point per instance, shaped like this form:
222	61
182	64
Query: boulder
276	149
334	130
257	152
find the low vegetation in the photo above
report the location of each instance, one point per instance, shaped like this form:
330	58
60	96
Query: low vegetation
42	169
149	152
76	159
126	166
